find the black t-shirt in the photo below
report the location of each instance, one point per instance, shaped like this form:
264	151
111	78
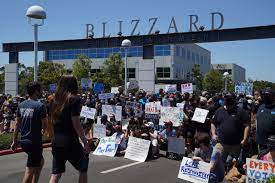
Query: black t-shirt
31	112
64	132
265	124
230	125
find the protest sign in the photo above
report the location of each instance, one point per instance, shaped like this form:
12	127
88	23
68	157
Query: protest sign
88	112
259	171
98	87
112	110
152	108
245	88
176	145
137	149
107	147
125	124
114	90
132	105
86	83
170	88
170	114
187	88
180	105
152	116
99	131
106	96
132	85
200	115
194	171
53	87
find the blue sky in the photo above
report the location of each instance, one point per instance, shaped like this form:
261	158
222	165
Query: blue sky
67	19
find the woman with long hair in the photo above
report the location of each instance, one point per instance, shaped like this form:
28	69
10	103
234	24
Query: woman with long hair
64	113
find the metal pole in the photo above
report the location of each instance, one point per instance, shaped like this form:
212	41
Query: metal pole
35	51
125	77
225	87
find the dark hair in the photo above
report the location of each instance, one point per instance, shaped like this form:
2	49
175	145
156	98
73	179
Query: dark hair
32	87
67	86
202	138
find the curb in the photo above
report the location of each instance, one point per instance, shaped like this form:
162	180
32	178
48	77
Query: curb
19	150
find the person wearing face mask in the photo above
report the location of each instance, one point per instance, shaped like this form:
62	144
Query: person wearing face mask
233	126
265	124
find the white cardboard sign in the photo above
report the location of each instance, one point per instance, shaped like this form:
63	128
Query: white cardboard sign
170	114
112	109
137	149
152	108
99	131
107	147
170	88
114	90
105	96
125	124
194	171
188	87
200	115
88	112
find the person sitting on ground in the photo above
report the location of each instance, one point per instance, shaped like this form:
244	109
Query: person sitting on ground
121	138
154	139
203	149
108	124
165	134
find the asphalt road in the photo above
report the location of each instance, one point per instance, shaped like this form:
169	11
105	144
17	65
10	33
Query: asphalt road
101	170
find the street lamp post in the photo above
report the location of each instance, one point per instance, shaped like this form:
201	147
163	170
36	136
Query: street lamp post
126	43
225	75
36	13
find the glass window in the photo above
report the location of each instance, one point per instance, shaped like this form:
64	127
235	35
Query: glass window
166	53
163	72
158	53
131	72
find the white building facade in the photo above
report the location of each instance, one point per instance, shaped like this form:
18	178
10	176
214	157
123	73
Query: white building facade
171	62
236	72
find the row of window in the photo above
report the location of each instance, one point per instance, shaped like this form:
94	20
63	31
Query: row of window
189	55
136	51
162	72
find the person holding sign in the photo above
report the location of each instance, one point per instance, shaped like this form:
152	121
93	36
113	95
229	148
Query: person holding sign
65	114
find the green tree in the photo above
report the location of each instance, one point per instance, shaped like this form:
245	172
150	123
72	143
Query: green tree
25	76
197	75
82	67
213	81
261	85
113	71
49	73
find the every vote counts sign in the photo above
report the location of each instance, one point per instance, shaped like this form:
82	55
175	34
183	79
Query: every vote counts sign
259	171
194	171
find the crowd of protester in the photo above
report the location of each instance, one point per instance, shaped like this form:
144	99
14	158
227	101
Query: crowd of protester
237	126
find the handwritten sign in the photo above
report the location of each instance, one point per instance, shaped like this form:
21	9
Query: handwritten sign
170	88
132	85
259	171
88	112
176	145
106	96
170	114
107	147
194	171
200	115
137	149
99	131
112	110
187	88
86	83
152	108
132	105
114	90
180	105
245	88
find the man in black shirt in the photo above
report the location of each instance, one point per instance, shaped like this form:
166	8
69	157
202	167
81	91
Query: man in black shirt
32	118
230	125
266	119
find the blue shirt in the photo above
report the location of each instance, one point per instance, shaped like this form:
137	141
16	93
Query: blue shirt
31	112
